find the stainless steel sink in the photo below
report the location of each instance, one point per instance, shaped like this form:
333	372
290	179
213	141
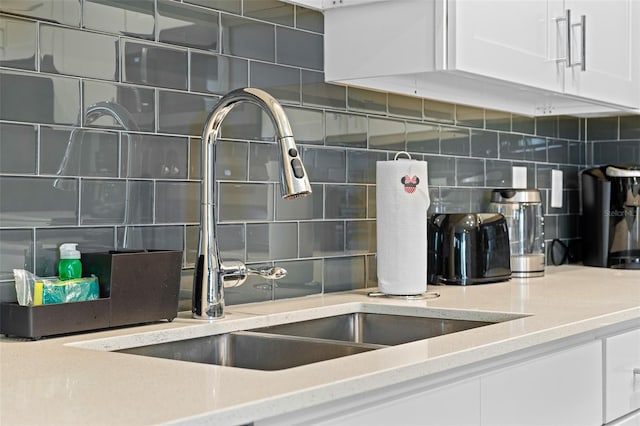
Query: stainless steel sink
250	350
379	329
299	343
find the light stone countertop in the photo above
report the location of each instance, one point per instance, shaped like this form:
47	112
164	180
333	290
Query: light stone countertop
76	380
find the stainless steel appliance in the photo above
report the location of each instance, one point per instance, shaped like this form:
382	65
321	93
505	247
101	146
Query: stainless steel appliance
522	209
610	216
467	248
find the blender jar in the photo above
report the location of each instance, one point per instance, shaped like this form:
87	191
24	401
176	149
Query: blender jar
522	208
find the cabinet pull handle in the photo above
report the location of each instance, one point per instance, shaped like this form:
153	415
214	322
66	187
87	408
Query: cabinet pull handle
636	371
568	36
583	58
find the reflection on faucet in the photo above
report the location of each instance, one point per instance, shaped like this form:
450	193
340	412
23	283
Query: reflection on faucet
74	147
211	274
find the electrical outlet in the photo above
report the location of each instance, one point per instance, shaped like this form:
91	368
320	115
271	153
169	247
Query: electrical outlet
556	189
519	177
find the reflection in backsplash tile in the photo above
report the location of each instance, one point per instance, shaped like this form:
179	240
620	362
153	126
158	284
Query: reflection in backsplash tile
74	152
18	55
153	65
344	273
187	26
269	10
346	130
271	241
216	73
304	277
386	134
407	106
62	11
316	92
154	157
126	19
248	38
129	121
76	52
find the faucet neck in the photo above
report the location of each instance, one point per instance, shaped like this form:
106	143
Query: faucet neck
211	273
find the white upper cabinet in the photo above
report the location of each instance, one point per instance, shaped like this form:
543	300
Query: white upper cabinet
533	57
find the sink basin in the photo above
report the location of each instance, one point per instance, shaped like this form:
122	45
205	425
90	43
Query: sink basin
310	337
379	329
250	350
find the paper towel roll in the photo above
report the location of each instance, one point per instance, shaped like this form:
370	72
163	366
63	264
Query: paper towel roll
402	200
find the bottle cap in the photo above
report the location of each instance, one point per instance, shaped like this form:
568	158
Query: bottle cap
69	251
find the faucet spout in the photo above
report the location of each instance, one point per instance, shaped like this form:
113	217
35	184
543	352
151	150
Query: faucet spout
211	273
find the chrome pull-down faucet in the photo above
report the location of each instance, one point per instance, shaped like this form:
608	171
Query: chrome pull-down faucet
211	273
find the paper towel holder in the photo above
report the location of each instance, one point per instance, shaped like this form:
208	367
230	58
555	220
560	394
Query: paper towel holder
402	153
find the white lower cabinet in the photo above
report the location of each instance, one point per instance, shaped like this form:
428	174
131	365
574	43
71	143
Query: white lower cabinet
622	376
563	388
457	404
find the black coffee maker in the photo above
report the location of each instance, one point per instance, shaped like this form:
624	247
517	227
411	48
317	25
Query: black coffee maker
610	225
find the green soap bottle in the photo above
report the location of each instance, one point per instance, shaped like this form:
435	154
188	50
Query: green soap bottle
69	266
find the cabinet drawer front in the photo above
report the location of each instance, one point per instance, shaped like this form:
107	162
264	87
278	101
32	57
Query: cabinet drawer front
622	386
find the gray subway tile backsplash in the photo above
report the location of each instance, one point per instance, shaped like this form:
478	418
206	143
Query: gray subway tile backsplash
177	202
272	241
304	278
126	18
20	53
299	48
309	19
183	113
66	151
283	83
129	122
217	74
325	165
187	26
345	202
154	156
269	10
80	53
387	134
154	65
62	11
316	92
19	147
346	130
248	38
484	144
39	98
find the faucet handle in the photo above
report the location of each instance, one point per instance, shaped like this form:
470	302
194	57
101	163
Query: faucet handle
235	272
273	273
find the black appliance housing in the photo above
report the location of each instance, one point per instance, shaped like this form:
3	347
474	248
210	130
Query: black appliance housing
610	226
468	248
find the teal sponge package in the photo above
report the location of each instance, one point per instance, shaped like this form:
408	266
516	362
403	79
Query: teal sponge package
49	291
32	290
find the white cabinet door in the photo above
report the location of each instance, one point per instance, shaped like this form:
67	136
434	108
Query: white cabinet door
508	40
611	47
564	388
622	386
454	404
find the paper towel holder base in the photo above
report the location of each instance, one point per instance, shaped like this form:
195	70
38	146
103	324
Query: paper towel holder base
421	296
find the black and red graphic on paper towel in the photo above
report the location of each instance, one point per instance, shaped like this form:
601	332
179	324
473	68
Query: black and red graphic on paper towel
410	183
